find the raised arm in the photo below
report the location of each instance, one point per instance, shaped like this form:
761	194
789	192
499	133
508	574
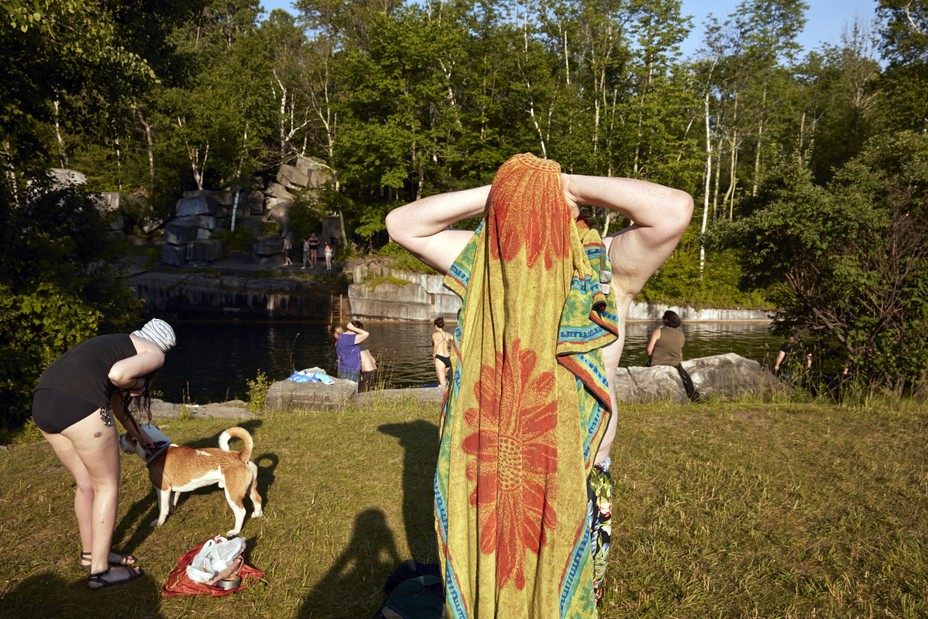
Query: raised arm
359	334
659	214
422	226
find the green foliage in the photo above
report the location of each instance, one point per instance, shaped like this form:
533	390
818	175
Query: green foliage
304	217
240	239
257	392
373	282
401	259
58	286
35	328
849	262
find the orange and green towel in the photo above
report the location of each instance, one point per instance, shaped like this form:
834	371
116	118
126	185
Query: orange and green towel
527	406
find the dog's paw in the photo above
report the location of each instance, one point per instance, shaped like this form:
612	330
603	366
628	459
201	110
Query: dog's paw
257	512
232	532
156	523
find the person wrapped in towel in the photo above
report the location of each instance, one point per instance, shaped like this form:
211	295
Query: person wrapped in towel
522	488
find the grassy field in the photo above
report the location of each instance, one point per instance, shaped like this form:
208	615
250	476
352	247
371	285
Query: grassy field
722	510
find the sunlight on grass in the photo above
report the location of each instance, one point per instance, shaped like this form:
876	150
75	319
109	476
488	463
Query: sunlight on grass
723	509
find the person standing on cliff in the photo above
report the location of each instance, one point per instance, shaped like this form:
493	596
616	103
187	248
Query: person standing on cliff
329	254
313	249
287	247
531	232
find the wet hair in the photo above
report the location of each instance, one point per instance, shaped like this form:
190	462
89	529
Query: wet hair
672	319
357	323
440	322
794	334
139	406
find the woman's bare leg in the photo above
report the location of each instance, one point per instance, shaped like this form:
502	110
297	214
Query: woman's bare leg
440	370
83	493
95	444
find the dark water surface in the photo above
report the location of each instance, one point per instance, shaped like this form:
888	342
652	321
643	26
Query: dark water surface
214	360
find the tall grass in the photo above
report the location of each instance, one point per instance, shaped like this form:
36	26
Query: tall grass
745	509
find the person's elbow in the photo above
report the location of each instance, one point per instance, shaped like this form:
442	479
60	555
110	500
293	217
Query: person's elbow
398	232
680	211
119	377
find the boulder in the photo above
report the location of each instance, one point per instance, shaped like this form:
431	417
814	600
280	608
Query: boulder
276	190
226	197
286	395
204	251
197	203
637	384
233	409
179	232
174	255
278	210
207	222
731	375
150	225
255	202
63	177
723	376
269	245
317	172
292	177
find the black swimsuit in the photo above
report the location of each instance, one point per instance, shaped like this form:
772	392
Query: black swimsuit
444	359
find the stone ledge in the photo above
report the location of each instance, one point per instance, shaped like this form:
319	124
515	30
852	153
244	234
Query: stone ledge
721	376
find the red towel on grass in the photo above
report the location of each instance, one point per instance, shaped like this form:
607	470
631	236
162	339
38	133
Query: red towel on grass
178	583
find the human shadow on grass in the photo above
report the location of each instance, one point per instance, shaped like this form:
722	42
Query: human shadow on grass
50	595
353	586
419	439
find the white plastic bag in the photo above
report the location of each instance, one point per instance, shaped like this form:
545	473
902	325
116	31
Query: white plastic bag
215	558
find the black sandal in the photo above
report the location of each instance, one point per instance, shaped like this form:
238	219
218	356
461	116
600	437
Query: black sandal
122	561
98	580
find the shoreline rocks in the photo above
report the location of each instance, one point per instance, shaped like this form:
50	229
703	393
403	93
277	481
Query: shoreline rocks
719	376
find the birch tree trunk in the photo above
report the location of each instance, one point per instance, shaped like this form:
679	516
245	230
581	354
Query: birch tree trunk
705	198
760	142
238	177
149	143
62	153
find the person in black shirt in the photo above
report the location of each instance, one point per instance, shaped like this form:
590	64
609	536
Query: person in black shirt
790	358
73	406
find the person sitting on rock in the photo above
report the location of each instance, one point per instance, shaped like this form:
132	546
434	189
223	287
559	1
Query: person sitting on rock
665	347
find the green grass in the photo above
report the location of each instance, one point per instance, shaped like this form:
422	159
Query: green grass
721	510
373	282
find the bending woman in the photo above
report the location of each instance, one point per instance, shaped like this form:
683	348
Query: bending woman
73	406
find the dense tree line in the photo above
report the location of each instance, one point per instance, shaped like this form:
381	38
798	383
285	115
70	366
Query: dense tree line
808	169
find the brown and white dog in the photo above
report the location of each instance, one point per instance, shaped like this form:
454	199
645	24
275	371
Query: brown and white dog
182	469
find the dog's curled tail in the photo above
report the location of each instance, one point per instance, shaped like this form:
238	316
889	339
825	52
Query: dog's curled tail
239	433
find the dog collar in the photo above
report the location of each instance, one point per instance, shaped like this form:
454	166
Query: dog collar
160	446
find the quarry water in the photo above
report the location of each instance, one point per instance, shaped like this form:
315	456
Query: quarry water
214	360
